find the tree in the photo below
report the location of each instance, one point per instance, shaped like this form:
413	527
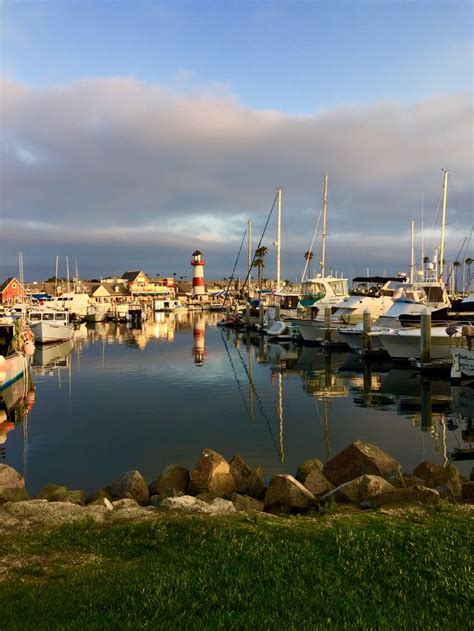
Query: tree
309	257
259	262
456	266
468	262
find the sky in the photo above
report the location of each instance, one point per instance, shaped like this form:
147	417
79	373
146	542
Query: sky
133	133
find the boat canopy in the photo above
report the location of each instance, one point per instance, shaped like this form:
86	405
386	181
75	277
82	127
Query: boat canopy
378	279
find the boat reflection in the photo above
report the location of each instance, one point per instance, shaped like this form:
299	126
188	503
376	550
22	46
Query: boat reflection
16	402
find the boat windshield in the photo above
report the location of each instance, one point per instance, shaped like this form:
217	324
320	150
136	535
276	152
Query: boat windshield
339	287
59	316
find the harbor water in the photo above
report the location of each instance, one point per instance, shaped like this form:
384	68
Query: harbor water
117	398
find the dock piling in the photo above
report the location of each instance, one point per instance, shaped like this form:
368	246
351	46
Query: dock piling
327	324
425	338
366	330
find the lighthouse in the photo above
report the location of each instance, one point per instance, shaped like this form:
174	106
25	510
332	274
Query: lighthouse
198	274
199	338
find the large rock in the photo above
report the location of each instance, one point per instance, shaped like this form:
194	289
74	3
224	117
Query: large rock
467	492
306	468
57	493
286	495
413	496
435	475
317	483
43	514
246	504
131	485
12	485
190	504
361	490
247	482
96	496
357	459
211	475
174	479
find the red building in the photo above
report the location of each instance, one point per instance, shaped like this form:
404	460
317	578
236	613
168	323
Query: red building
11	291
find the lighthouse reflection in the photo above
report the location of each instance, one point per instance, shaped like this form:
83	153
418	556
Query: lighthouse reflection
199	338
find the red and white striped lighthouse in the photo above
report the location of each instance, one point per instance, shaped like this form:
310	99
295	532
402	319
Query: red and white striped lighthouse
198	274
199	337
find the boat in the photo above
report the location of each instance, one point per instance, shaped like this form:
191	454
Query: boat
16	349
49	325
96	313
463	355
75	303
168	305
405	344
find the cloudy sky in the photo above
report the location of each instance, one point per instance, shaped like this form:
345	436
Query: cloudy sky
135	132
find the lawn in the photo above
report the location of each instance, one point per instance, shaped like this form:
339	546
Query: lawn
189	572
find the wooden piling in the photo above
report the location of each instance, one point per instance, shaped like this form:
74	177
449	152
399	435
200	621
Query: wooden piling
247	314
366	341
261	313
327	324
425	338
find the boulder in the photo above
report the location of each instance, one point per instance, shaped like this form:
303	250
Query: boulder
286	495
102	501
12	485
361	490
212	474
174	479
190	504
98	495
125	502
246	504
57	493
435	475
317	483
33	514
131	485
357	459
414	496
467	491
247	482
306	468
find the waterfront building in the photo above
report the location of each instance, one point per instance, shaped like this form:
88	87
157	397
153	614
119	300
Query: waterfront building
12	291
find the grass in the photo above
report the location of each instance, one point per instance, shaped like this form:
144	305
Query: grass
348	572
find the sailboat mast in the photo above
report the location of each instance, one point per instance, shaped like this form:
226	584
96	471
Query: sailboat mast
278	242
412	259
325	206
443	224
56	277
67	274
249	258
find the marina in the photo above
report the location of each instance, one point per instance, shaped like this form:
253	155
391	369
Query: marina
118	397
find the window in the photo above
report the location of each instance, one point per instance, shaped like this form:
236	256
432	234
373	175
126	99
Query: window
60	316
48	316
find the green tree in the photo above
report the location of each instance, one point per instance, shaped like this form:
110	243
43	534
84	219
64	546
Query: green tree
259	262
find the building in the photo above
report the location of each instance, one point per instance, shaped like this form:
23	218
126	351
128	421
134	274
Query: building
139	284
12	291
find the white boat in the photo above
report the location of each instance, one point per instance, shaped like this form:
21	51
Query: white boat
72	302
50	326
405	344
463	355
168	305
96	313
16	348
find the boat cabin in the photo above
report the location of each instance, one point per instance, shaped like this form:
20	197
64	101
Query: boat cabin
58	317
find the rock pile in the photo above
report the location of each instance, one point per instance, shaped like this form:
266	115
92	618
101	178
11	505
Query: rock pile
362	475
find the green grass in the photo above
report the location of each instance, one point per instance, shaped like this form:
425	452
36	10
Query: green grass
354	572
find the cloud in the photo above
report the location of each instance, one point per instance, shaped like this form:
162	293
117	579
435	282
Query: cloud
121	162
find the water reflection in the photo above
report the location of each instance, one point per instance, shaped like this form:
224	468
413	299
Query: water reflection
134	397
16	402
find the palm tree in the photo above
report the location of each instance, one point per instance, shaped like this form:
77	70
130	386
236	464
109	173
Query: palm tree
309	257
259	262
456	265
468	262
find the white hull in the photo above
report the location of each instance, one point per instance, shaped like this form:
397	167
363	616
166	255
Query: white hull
46	332
314	331
465	357
404	344
18	366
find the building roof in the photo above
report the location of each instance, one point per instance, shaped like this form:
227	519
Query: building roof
197	253
8	281
131	276
115	289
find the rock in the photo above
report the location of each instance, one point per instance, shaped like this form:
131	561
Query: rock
435	475
207	497
103	501
98	495
12	485
153	486
247	482
57	493
33	514
190	504
212	474
287	495
467	491
361	490
306	468
415	495
357	459
131	485
316	483
174	479
246	504
125	502
155	500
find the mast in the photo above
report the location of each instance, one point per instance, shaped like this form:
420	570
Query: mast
249	258
412	259
443	224
67	274
325	205
278	241
56	277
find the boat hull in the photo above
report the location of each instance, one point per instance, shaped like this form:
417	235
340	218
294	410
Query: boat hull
18	366
49	332
404	344
465	359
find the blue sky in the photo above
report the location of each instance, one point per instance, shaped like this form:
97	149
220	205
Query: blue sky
223	101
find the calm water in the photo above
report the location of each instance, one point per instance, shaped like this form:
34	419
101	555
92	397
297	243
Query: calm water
117	399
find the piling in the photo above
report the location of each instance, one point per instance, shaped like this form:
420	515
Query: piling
247	314
277	313
366	331
261	313
426	410
425	338
327	324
